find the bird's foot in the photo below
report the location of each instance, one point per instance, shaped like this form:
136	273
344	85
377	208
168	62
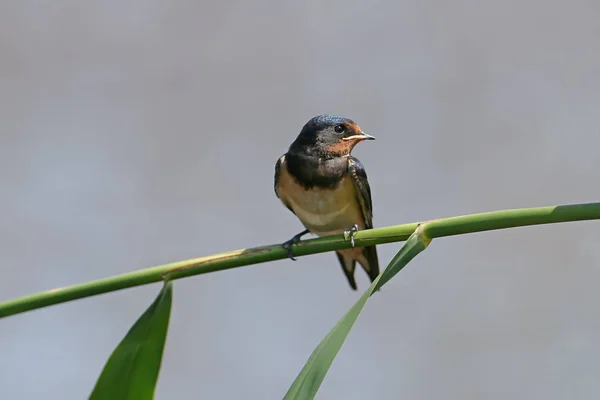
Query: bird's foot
294	240
350	234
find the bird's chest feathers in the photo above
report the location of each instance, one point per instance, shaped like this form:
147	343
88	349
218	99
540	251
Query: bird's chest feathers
323	201
322	210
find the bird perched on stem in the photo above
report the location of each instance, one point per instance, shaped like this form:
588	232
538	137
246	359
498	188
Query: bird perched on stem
327	188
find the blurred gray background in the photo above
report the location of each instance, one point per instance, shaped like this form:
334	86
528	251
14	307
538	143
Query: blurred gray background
139	133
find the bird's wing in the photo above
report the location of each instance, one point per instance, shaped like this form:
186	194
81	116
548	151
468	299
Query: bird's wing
280	164
363	190
370	263
278	174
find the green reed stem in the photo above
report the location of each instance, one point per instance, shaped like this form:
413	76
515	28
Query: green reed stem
239	258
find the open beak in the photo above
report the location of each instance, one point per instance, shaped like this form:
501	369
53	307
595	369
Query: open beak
360	136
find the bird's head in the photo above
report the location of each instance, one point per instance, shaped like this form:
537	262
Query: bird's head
328	136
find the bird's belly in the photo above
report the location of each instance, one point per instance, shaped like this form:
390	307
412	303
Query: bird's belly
327	211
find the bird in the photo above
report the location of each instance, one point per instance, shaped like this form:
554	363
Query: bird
327	188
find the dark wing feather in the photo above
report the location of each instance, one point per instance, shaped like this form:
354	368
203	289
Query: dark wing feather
363	190
363	193
278	174
280	164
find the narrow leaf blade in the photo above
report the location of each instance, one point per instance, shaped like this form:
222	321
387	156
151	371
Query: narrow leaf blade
309	379
132	369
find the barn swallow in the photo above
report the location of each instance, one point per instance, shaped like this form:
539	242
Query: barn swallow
327	188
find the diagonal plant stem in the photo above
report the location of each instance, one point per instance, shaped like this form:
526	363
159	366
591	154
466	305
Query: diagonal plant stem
308	381
436	228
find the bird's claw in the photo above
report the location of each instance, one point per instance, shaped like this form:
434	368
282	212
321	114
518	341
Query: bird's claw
288	246
350	234
294	240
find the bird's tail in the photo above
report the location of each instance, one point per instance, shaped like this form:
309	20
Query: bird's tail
366	257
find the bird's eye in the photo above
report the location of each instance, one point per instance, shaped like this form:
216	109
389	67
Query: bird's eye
339	128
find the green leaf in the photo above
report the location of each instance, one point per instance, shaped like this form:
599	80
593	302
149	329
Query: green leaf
309	380
132	370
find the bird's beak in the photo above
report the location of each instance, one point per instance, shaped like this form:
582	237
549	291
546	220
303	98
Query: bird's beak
360	136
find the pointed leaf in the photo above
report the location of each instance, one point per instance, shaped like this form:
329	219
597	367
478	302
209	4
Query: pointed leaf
132	370
309	380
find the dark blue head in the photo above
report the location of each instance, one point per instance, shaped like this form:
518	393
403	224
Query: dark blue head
328	136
